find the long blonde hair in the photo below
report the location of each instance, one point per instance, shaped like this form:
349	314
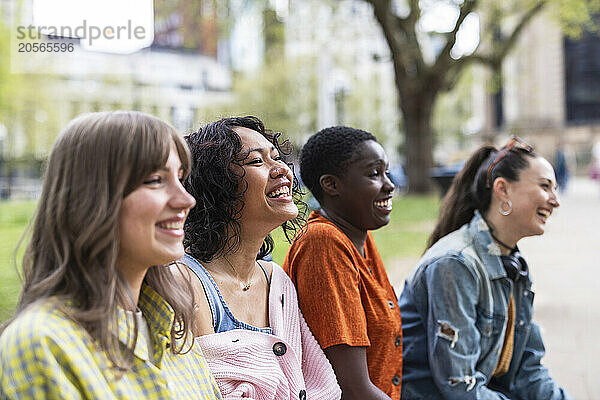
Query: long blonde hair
96	161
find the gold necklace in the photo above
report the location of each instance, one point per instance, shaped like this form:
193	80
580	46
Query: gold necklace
244	286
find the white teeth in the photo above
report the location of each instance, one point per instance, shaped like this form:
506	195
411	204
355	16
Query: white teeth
280	191
384	203
544	213
171	225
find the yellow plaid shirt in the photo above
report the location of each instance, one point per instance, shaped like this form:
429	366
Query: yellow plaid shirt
44	355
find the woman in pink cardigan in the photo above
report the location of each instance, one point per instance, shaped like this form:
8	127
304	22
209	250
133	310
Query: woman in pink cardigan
247	319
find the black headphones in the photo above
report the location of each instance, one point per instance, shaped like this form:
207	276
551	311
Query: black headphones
515	265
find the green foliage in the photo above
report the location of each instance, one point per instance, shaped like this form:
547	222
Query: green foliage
274	36
576	16
27	108
8	82
278	95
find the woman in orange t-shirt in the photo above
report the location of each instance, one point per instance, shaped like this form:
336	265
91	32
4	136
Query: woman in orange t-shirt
343	289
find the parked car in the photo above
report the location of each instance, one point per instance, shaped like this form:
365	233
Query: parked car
399	178
443	175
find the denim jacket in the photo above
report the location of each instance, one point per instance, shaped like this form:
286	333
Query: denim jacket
454	314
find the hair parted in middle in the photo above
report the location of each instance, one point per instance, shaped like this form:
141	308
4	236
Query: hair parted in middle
472	187
212	228
328	152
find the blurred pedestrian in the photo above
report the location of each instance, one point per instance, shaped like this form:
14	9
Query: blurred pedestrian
467	308
343	288
561	167
100	315
595	163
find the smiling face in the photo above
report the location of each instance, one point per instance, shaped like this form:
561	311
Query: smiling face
365	190
268	200
533	198
151	219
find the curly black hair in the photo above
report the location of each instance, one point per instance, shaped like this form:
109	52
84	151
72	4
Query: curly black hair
212	227
328	152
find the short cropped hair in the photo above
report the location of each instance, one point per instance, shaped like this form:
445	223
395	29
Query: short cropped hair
328	152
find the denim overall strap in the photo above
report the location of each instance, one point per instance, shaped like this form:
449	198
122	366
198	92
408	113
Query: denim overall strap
223	318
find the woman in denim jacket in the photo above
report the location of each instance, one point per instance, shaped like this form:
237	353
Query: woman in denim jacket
467	307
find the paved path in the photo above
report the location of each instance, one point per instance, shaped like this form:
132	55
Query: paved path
565	267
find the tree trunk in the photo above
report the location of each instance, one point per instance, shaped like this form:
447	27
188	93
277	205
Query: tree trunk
417	110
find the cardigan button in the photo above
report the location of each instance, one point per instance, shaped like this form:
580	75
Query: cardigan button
398	341
302	395
391	303
396	380
279	349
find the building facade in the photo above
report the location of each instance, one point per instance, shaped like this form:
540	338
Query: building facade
550	91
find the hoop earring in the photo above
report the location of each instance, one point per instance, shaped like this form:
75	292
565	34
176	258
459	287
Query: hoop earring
502	209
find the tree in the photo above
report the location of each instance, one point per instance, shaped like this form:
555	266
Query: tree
419	82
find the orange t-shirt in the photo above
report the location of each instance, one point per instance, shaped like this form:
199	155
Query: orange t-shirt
347	298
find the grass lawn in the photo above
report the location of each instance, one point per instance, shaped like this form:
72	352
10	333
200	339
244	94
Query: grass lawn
14	217
400	243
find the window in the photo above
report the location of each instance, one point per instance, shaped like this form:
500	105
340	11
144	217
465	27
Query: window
582	78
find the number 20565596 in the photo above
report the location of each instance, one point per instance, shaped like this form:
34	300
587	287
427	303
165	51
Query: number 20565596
45	47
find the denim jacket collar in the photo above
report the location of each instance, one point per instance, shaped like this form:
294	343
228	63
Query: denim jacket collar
486	247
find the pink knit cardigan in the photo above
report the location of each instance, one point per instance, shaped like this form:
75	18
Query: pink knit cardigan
289	364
